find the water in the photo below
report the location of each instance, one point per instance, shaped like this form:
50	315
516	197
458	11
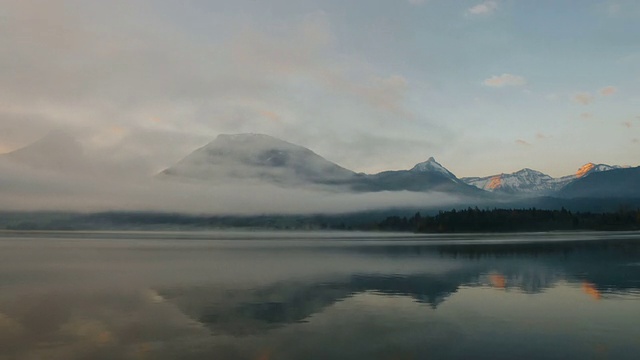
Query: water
239	295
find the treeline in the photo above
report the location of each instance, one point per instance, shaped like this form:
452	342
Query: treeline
512	220
469	220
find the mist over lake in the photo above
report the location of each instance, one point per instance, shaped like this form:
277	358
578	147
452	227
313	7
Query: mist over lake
318	295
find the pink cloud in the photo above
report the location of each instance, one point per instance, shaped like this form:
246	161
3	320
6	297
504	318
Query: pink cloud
608	90
522	142
505	80
583	98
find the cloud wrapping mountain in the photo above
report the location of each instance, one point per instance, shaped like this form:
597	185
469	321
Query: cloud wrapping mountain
259	174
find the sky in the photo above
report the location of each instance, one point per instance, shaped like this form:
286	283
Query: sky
485	87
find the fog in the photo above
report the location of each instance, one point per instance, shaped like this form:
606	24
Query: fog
133	79
121	188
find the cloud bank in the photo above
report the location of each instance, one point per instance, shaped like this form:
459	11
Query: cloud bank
111	188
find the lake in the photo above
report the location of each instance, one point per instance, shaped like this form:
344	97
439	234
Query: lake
318	295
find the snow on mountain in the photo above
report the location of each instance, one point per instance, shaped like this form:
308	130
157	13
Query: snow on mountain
589	168
257	157
614	182
431	165
527	181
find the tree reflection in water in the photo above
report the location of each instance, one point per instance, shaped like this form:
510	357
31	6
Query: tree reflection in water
381	300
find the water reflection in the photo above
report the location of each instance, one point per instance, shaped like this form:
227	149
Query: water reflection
127	299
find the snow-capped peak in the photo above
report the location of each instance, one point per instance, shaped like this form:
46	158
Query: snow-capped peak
521	181
589	168
531	181
431	165
530	172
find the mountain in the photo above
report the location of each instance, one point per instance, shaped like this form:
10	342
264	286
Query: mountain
258	157
425	176
590	168
532	182
614	183
58	151
431	165
262	158
523	181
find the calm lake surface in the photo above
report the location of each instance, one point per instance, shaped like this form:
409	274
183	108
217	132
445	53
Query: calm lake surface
266	295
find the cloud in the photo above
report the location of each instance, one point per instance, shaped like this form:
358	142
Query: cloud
586	98
627	124
583	98
131	83
541	136
586	115
522	142
271	115
27	188
56	174
386	93
505	80
484	8
608	90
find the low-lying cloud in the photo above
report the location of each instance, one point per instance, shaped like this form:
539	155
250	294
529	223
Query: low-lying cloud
23	188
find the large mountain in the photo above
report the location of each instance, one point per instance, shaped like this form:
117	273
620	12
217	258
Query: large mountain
258	157
58	151
532	182
262	158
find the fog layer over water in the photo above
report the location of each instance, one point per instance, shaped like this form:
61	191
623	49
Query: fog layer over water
237	295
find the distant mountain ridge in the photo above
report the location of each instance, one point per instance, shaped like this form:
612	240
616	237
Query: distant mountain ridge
621	183
532	182
231	159
259	157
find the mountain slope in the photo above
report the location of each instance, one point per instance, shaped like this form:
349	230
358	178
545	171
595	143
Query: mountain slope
523	181
425	176
262	158
532	182
258	157
58	150
616	183
431	165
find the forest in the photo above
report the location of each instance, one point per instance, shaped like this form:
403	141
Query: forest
512	220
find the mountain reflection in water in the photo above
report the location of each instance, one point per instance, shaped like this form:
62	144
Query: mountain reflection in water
132	296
